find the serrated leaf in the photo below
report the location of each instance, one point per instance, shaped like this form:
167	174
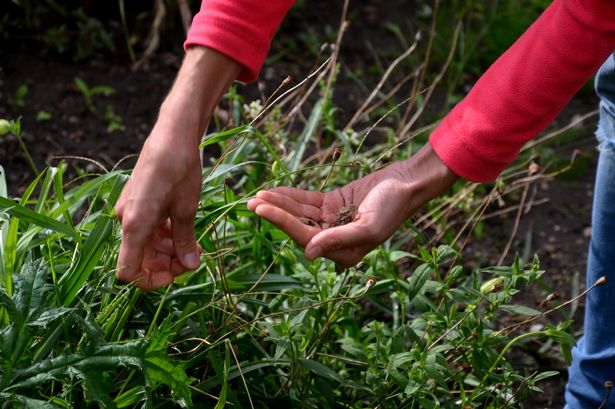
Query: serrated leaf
49	316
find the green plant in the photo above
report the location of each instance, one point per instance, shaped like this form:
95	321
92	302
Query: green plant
114	121
19	100
14	127
89	92
257	325
42	116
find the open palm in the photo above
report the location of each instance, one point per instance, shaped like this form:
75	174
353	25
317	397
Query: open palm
312	219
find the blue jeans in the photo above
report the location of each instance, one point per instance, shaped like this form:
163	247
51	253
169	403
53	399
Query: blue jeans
593	359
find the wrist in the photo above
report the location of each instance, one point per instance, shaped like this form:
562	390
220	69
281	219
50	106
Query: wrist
203	78
427	177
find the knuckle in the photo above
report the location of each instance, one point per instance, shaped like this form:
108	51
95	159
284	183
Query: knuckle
130	222
335	243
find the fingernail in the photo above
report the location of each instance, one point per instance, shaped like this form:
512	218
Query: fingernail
191	260
313	253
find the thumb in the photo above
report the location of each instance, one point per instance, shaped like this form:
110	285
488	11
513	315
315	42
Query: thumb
184	244
344	237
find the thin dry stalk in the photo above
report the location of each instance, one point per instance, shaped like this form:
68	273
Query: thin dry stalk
360	112
515	228
434	83
185	13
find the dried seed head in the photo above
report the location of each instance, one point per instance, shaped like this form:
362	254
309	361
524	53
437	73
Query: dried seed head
370	283
533	168
608	385
601	280
474	333
337	152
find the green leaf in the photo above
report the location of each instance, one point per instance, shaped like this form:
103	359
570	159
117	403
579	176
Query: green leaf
24	402
417	280
320	369
222	136
227	362
521	310
22	212
545	375
306	135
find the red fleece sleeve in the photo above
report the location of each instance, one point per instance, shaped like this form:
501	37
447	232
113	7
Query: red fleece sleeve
526	87
239	29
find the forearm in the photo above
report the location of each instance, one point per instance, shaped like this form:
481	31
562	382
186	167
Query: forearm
526	87
203	78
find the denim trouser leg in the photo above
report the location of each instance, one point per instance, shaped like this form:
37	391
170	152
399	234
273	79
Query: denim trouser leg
593	359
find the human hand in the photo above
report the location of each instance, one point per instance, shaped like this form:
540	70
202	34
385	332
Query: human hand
383	200
158	204
157	209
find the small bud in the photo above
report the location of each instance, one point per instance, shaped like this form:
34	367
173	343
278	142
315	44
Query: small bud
608	385
474	334
495	284
602	280
5	127
370	283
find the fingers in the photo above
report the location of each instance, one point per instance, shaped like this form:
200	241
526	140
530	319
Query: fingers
185	245
299	195
136	233
300	232
150	281
286	203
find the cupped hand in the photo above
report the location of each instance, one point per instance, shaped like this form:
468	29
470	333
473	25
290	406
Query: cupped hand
312	219
383	200
156	210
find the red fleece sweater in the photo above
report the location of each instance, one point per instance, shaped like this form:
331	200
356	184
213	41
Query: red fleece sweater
513	101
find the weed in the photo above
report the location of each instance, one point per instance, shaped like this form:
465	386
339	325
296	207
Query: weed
18	101
114	121
89	92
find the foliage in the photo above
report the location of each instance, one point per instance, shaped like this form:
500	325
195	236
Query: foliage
257	325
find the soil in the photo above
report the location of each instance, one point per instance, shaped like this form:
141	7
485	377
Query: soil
557	229
345	215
